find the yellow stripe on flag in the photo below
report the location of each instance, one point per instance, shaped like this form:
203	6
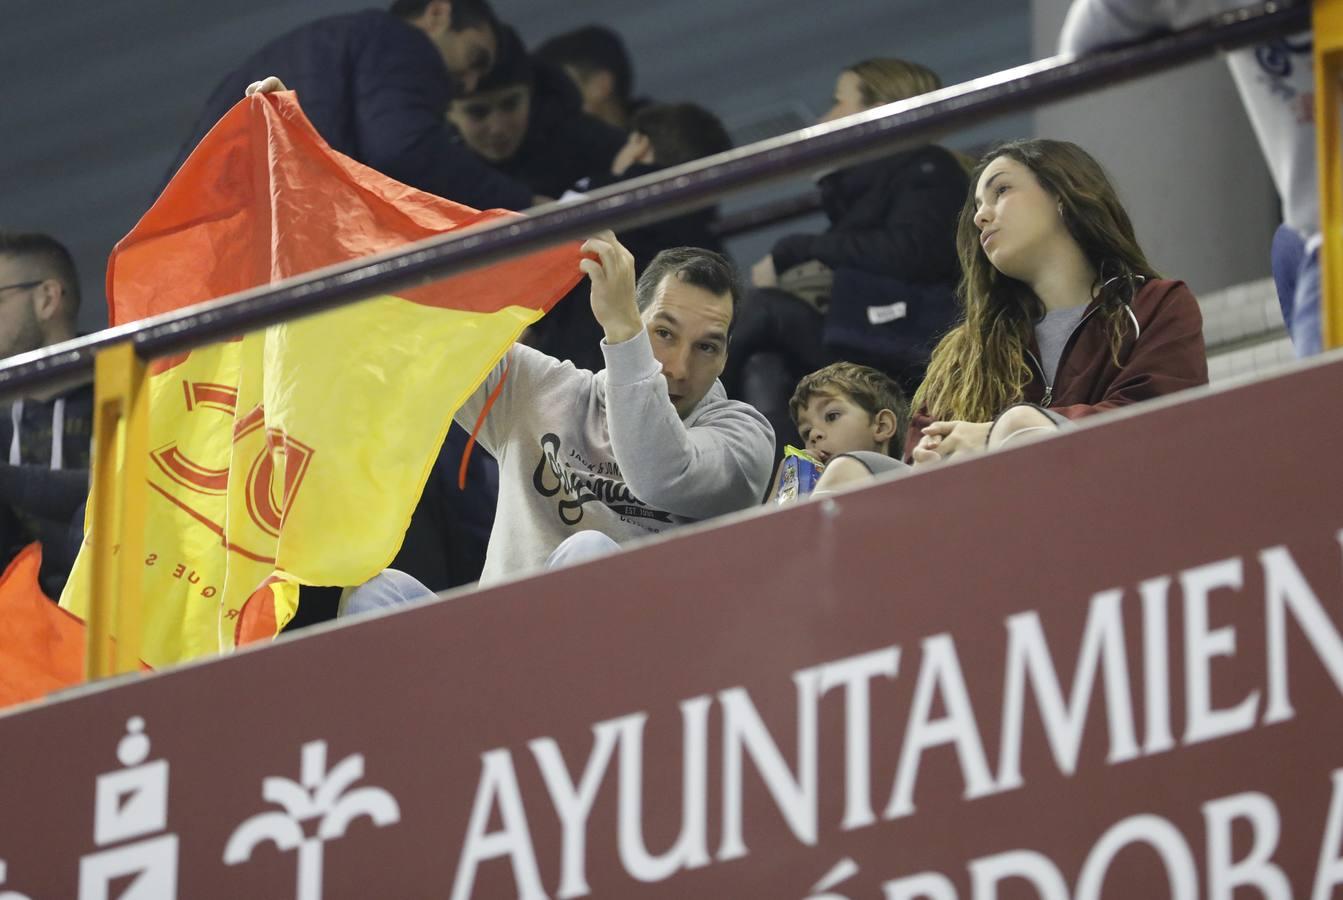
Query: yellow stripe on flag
296	455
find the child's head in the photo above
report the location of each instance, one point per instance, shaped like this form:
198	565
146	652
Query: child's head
846	407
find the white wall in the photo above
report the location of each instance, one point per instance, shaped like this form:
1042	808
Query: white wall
1180	150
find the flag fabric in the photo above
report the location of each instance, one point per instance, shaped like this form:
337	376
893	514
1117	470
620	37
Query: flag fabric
295	455
41	645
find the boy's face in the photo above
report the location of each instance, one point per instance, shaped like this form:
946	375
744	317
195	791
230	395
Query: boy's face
688	328
832	424
494	123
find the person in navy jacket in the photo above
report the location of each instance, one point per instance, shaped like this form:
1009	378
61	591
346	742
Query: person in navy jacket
377	84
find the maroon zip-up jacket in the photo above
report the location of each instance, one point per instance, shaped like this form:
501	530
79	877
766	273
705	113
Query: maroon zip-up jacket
1167	355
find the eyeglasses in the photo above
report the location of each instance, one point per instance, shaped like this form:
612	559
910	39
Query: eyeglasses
21	284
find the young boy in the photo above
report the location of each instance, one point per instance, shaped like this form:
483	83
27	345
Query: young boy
848	408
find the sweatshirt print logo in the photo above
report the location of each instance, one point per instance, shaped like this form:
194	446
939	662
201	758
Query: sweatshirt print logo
553	476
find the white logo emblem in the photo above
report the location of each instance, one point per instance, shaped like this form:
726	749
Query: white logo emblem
132	803
322	794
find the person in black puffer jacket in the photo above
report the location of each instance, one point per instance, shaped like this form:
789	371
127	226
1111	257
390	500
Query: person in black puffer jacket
877	287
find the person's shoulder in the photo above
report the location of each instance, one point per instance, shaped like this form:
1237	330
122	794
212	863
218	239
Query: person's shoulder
930	163
341	26
1158	290
717	407
537	364
346	34
1167	299
379	29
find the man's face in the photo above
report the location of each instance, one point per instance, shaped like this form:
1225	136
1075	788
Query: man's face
494	123
468	54
688	328
20	330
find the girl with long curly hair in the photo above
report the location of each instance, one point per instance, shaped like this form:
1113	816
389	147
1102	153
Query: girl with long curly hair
1062	311
1062	314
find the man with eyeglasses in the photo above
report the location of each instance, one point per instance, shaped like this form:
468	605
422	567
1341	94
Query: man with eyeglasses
45	436
376	86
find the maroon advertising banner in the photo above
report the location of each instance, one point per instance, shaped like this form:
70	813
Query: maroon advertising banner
1107	665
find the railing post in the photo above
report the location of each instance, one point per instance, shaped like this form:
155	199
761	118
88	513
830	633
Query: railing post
1328	40
121	447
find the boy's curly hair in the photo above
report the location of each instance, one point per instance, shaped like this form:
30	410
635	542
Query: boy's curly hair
869	388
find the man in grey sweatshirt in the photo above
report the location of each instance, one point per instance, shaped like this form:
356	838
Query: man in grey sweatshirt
649	443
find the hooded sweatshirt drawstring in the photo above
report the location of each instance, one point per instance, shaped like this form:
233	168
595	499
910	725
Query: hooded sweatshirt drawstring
57	433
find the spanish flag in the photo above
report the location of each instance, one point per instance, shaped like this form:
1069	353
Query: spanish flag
41	645
295	455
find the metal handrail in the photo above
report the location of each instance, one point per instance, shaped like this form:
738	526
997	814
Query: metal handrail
856	138
765	215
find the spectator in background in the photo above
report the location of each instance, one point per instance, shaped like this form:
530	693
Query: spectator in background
595	59
662	136
526	120
877	286
1276	81
45	480
376	86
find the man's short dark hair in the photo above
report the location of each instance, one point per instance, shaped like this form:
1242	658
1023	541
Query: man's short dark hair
592	48
465	13
694	266
680	132
46	257
512	64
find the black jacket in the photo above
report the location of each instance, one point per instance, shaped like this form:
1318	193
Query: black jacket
894	216
376	89
38	503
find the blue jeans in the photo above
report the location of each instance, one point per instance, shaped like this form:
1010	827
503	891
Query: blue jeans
1296	272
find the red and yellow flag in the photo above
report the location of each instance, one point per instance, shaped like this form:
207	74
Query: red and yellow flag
296	455
41	645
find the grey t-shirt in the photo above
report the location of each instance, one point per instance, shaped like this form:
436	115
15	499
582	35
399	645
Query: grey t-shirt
606	451
1051	333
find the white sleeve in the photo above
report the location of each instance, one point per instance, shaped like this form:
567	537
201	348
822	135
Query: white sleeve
1091	24
720	464
517	371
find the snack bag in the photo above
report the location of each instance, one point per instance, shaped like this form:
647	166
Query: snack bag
799	475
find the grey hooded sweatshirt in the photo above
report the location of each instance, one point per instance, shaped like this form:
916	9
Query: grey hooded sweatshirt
608	452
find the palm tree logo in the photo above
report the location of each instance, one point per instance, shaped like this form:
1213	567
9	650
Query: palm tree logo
322	794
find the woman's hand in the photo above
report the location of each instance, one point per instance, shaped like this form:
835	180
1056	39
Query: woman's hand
942	440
